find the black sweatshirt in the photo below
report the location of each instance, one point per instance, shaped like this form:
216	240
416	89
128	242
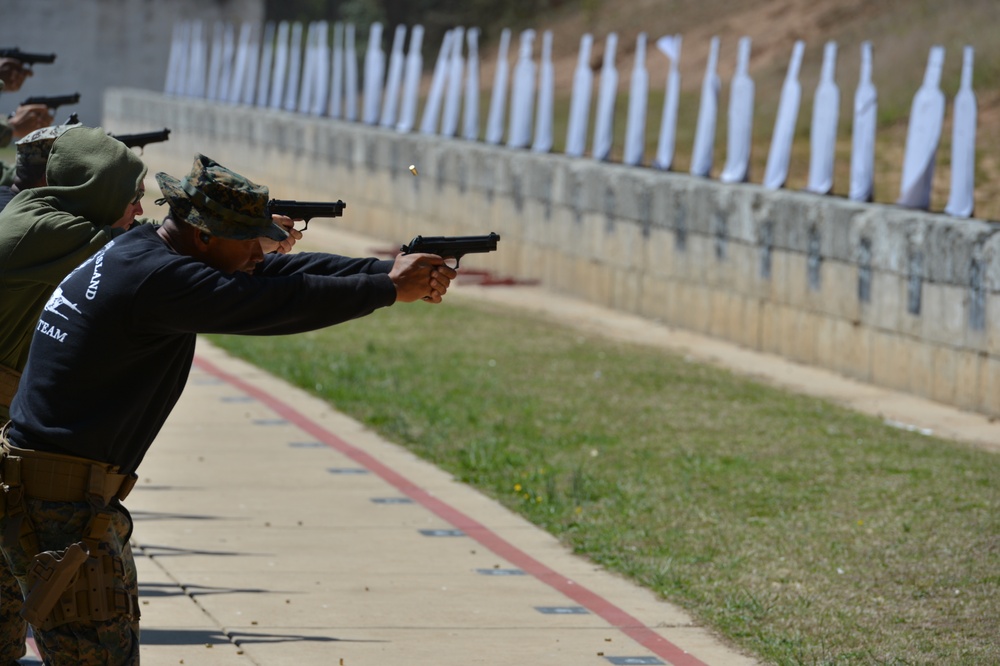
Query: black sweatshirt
113	348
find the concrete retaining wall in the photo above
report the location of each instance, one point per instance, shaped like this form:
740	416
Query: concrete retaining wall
895	297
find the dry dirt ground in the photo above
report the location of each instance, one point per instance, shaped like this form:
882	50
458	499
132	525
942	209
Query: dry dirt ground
901	32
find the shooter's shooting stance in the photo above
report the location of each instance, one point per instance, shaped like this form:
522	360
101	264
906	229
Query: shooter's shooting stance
108	362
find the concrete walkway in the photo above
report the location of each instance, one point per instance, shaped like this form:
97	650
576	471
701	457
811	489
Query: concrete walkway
269	529
273	530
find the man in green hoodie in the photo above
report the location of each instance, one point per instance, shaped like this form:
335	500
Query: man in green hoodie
93	194
31	158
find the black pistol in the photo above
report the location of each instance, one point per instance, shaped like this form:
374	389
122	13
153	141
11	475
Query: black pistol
140	139
54	101
305	210
452	247
28	58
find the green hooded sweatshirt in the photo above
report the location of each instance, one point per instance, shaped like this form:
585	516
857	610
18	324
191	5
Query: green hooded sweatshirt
48	231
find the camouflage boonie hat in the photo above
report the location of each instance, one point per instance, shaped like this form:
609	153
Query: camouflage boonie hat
219	201
34	148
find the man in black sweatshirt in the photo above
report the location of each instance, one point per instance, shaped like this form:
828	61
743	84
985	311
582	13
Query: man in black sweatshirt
108	361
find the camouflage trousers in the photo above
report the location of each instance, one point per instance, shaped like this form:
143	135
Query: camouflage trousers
13	628
84	643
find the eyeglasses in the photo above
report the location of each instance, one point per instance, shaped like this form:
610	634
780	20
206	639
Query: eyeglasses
138	197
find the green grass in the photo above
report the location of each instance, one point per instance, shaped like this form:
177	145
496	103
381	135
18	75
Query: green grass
803	532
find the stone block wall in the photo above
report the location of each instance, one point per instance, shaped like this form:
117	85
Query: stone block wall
896	297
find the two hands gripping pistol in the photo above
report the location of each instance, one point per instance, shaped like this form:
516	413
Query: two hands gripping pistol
452	247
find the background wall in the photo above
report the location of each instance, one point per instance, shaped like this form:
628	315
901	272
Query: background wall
102	43
892	296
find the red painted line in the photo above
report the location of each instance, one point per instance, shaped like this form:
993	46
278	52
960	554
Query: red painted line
596	604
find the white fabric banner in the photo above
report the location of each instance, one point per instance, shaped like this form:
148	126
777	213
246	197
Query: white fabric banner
546	95
961	200
321	73
704	137
739	138
199	60
923	136
280	65
635	127
669	46
522	96
335	107
453	87
470	121
579	105
252	65
177	60
435	97
780	152
498	100
863	135
823	131
390	100
374	75
350	74
266	64
308	78
228	54
294	67
196	65
214	62
607	91
411	81
238	81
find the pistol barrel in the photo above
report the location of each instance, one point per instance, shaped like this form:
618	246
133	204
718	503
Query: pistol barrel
28	58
